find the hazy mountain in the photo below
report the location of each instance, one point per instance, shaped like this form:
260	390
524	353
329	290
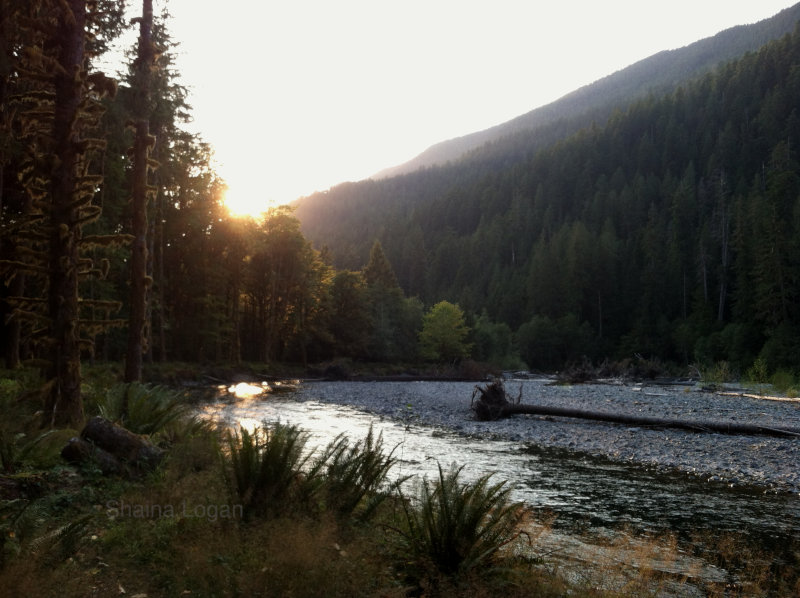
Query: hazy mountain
667	228
657	74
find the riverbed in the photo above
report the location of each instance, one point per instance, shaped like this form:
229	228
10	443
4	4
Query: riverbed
771	463
590	476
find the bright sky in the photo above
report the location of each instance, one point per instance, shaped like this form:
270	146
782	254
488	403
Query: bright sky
300	95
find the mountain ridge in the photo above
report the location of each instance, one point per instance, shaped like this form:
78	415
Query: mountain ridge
658	73
667	230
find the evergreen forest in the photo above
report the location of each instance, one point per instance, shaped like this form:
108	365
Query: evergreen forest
116	245
668	230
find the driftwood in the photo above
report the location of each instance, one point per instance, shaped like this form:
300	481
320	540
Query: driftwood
114	448
493	404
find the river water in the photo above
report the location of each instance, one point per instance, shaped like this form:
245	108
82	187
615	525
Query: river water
581	491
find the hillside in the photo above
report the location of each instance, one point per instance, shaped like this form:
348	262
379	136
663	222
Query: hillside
657	74
670	231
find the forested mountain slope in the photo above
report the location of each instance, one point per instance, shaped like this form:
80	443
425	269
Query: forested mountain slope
657	74
672	230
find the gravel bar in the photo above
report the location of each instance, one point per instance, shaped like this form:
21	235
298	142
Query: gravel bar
771	463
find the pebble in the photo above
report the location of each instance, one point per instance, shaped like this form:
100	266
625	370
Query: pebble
743	460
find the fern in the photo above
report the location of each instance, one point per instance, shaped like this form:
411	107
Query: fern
355	475
451	527
263	468
142	408
62	542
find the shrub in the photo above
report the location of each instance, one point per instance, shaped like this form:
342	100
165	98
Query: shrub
758	372
718	374
451	527
784	381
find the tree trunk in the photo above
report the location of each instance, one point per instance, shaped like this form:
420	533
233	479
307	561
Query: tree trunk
141	150
493	405
13	327
63	403
158	266
10	325
724	248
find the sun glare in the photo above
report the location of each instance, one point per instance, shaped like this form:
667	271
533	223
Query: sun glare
244	202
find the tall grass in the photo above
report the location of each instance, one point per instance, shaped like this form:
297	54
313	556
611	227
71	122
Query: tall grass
452	527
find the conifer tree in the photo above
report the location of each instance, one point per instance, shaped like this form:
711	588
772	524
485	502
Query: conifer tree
386	303
11	197
142	164
378	270
56	110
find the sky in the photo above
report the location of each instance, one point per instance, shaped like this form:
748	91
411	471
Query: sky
296	96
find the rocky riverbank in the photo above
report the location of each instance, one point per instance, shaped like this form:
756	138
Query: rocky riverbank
770	463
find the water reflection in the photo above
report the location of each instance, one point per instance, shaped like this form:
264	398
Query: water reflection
247	390
583	490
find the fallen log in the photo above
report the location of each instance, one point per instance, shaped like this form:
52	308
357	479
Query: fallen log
121	442
114	448
79	450
492	404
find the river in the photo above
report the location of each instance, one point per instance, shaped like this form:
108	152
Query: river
595	495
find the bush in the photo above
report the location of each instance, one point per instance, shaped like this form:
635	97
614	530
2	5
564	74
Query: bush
758	372
451	528
718	374
784	381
